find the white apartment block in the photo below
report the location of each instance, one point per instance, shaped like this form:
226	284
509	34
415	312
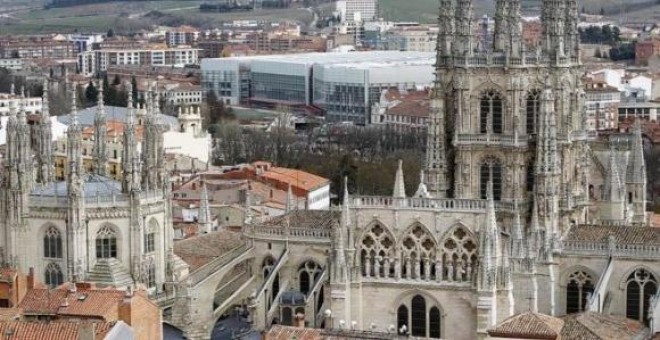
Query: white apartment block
32	104
358	10
602	102
12	64
173	57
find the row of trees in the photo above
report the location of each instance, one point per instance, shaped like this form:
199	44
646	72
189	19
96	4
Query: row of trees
367	156
605	34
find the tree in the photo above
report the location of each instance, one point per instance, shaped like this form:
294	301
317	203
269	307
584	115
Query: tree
602	11
116	81
110	34
598	53
135	89
91	94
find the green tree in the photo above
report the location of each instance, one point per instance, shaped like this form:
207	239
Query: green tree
134	84
91	94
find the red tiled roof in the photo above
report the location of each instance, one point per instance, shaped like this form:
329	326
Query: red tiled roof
84	302
202	249
58	330
528	326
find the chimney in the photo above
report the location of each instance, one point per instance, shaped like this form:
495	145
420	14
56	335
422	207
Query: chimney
87	331
30	278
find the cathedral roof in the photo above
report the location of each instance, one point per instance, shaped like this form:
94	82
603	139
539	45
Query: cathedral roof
582	326
86	116
94	185
310	219
622	234
58	330
596	326
202	249
529	325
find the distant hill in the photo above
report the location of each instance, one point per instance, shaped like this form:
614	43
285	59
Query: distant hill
69	3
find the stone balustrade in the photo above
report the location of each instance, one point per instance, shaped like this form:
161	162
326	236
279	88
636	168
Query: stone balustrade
444	269
613	249
290	233
437	204
489	139
151	196
499	59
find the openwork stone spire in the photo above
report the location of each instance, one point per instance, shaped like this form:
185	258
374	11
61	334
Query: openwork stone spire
44	138
100	136
205	221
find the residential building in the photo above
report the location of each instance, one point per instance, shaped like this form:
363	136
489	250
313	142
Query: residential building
403	110
358	10
602	105
644	50
646	110
36	47
411	38
32	105
12	64
100	60
183	35
85	41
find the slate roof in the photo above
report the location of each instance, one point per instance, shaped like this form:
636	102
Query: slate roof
622	234
86	116
199	250
58	330
311	219
94	185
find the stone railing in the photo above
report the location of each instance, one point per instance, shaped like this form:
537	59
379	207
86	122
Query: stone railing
438	204
208	269
97	200
499	59
485	138
612	249
291	234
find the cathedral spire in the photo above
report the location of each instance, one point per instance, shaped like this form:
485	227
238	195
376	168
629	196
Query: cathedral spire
463	22
553	21
636	175
446	29
100	136
515	28
517	238
500	36
613	189
130	157
399	185
488	244
422	191
204	218
572	35
44	139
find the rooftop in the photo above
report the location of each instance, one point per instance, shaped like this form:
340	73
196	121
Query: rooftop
59	330
117	113
622	234
93	186
308	219
202	249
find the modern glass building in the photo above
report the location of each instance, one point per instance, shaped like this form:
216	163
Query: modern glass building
344	85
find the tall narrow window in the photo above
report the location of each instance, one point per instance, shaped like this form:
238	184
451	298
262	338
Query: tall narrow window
287	316
402	319
529	179
640	287
491	170
418	316
532	109
52	243
54	276
150	279
579	287
106	243
491	108
434	323
307	275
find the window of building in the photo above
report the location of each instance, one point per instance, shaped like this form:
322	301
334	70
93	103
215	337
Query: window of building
150	242
491	108
308	274
106	243
491	170
529	179
151	275
52	243
424	322
640	288
533	108
580	286
53	275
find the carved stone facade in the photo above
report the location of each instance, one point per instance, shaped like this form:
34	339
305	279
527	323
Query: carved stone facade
88	227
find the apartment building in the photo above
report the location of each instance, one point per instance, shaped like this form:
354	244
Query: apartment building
184	35
99	61
602	102
36	47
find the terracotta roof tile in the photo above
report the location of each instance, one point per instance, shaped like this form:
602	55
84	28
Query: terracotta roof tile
529	326
84	302
296	178
202	249
622	234
58	330
590	325
312	219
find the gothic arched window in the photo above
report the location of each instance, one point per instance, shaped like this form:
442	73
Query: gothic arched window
402	319
491	170
580	286
414	317
641	286
150	237
418	254
54	276
106	243
533	107
491	107
377	254
267	266
459	256
418	313
308	273
52	243
434	323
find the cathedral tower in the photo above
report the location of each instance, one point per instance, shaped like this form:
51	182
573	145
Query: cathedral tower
100	136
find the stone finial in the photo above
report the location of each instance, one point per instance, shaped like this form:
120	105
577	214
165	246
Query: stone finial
399	184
